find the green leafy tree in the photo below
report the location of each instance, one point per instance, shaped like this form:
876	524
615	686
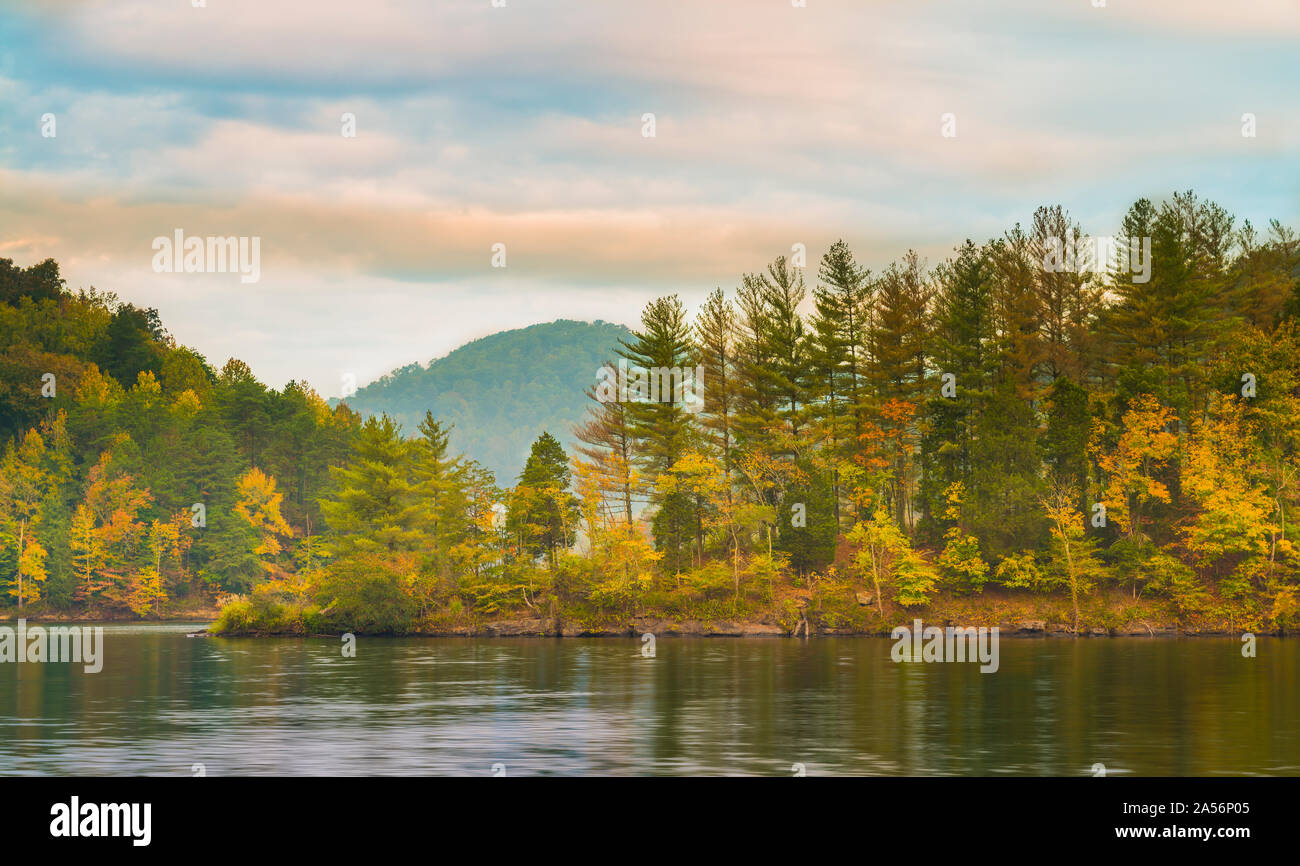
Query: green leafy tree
886	556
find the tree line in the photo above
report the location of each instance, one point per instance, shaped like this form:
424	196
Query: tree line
133	472
990	423
993	420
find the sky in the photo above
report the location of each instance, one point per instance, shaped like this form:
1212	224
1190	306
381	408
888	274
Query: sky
525	125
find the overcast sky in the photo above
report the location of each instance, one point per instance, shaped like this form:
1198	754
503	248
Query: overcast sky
522	125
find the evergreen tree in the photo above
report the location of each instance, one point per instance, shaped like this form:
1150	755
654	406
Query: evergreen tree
716	351
1069	300
371	507
962	347
442	504
544	514
608	452
836	355
1161	324
1064	443
660	420
898	339
781	344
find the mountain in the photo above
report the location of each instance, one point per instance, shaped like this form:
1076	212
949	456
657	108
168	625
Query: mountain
500	391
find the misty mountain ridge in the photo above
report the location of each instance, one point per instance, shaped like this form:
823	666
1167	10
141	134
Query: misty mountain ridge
500	391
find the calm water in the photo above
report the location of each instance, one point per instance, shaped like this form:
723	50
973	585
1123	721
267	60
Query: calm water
165	702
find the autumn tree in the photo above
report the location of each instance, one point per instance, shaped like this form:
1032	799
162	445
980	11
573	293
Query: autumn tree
23	483
1135	461
887	557
259	507
1073	560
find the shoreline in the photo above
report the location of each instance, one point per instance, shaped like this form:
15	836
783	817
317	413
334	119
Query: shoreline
1027	630
1015	616
208	615
833	614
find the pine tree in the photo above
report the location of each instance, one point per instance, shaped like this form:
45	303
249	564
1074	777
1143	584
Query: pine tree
1069	299
608	450
442	501
844	308
371	508
962	347
807	518
898	338
1006	474
836	355
241	400
207	469
781	344
716	352
1064	444
1160	329
756	402
660	421
543	513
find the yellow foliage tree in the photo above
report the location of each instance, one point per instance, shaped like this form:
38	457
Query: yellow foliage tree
1144	449
31	567
1235	520
259	506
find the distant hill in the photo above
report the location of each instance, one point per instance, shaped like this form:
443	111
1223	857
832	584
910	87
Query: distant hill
500	391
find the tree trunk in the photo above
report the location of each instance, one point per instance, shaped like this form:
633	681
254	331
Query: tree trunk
875	581
22	527
735	562
1074	583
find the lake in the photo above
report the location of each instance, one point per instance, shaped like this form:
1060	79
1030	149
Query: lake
164	703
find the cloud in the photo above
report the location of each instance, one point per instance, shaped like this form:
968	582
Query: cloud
522	125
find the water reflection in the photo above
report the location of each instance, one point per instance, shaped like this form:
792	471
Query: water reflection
164	702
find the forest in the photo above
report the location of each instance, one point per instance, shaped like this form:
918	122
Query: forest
990	437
